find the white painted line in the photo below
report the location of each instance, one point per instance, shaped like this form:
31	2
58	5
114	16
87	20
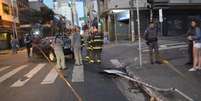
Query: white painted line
28	76
78	74
11	73
51	77
116	63
172	47
4	68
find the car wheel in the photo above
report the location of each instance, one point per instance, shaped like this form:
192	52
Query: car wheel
52	57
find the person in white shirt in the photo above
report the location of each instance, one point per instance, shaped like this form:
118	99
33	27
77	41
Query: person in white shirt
57	45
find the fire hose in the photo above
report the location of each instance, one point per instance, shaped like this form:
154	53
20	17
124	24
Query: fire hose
61	75
134	79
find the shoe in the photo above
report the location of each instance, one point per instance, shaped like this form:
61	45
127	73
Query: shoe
64	68
77	64
91	61
158	62
192	70
99	61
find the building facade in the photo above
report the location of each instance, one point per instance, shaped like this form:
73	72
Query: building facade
115	15
61	7
176	16
8	16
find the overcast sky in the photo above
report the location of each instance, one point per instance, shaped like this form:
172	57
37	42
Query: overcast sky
49	3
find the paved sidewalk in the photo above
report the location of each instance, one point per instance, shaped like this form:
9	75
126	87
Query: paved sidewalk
9	51
172	74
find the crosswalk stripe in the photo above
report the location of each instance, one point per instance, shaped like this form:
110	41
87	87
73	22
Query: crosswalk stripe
78	74
29	75
4	68
11	73
51	77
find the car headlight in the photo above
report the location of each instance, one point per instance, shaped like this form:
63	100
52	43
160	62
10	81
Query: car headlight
36	33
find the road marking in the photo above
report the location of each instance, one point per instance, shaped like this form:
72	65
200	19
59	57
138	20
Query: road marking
4	68
28	76
116	63
11	73
78	74
166	48
51	77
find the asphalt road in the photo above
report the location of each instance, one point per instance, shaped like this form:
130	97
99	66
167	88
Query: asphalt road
34	80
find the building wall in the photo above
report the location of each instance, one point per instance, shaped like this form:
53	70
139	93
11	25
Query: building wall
61	7
112	4
6	4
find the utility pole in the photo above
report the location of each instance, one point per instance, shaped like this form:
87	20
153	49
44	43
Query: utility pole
115	27
14	19
150	6
139	33
74	12
131	22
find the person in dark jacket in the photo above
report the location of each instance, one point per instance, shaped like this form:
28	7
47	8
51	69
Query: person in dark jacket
151	37
28	44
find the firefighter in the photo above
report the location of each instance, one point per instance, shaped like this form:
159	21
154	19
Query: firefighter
89	47
97	43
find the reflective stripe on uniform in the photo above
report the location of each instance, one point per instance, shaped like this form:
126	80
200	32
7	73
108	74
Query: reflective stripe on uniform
97	47
98	40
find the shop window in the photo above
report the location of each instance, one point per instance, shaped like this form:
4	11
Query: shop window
3	36
6	9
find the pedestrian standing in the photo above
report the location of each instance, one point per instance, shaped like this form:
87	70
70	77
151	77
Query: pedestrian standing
151	37
196	38
28	44
14	45
76	45
58	49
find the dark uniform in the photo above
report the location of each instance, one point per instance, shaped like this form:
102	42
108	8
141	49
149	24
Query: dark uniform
151	37
97	43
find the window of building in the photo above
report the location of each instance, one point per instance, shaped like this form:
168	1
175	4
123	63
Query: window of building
6	9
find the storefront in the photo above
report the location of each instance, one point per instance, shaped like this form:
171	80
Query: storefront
4	40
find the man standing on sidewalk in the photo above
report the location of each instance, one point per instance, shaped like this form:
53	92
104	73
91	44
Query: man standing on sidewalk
151	37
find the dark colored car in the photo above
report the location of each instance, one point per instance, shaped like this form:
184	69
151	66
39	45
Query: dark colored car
45	46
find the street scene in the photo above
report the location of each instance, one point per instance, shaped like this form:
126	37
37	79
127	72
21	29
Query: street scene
100	50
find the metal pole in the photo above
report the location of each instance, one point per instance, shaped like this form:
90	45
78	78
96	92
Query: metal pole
139	35
115	27
151	15
161	28
132	21
14	20
75	17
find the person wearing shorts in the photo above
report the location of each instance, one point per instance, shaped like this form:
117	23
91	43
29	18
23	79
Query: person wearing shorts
196	46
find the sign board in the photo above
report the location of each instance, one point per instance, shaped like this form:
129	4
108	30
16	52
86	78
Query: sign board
122	4
160	15
83	18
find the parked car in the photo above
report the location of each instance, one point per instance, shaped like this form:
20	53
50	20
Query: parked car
45	46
